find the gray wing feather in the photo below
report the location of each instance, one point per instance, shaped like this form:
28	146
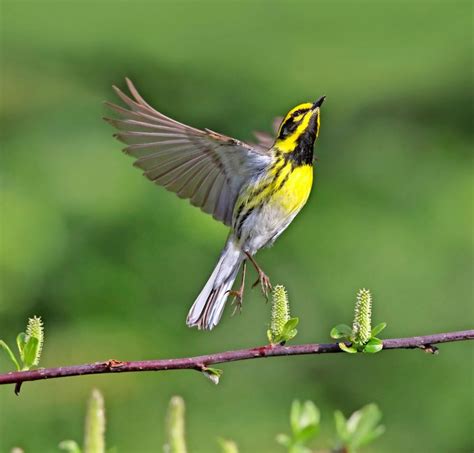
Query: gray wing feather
203	166
265	140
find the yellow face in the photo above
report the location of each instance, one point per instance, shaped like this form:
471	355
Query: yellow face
300	121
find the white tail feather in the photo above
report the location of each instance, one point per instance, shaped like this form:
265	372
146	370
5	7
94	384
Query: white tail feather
209	305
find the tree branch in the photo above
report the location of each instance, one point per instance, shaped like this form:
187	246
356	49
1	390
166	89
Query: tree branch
200	363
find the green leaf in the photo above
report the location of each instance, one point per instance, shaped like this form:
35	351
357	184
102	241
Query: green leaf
378	328
284	440
371	436
228	446
30	353
70	446
288	332
310	414
362	424
307	433
341	331
291	324
21	343
10	354
295	412
341	427
346	348
213	374
372	348
305	420
289	335
374	345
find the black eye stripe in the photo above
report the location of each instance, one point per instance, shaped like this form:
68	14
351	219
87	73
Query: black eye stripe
299	112
289	126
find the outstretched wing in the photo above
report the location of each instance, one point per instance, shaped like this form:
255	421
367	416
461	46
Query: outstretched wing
206	167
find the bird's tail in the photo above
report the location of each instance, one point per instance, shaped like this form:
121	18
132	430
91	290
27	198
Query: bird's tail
209	305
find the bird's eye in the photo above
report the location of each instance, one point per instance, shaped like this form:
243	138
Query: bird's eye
299	113
288	128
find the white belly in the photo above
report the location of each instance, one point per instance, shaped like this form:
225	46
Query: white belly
263	226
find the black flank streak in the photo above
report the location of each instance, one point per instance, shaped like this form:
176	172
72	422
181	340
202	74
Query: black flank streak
269	183
285	179
242	220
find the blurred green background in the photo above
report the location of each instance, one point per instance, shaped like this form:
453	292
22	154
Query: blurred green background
112	263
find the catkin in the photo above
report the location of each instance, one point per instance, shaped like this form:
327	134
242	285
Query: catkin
361	327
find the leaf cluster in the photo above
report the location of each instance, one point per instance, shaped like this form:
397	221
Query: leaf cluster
304	422
282	326
362	337
345	333
287	333
360	429
29	344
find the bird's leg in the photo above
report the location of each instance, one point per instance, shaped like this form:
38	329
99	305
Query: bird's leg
262	277
239	294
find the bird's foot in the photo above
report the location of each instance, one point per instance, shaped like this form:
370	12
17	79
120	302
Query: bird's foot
262	277
239	294
265	283
237	300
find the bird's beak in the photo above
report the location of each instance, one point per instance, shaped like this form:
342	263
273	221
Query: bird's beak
319	102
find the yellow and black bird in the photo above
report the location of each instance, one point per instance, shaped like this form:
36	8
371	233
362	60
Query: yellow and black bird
256	190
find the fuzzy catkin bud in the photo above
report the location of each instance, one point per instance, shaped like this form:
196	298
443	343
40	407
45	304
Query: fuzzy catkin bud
175	426
361	327
35	329
280	310
94	436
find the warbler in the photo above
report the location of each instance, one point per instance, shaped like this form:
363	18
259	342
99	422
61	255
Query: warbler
255	189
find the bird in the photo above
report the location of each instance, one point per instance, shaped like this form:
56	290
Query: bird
255	189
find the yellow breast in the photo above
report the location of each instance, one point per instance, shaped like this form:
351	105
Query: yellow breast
293	195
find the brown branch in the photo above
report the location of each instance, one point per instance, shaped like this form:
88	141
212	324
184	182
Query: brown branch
200	363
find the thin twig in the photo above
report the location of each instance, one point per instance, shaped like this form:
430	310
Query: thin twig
200	363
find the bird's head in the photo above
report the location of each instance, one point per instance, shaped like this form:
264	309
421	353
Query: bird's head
300	127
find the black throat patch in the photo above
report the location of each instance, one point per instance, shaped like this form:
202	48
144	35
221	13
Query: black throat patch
303	153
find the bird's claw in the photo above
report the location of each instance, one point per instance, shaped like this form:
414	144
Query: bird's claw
237	300
265	283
